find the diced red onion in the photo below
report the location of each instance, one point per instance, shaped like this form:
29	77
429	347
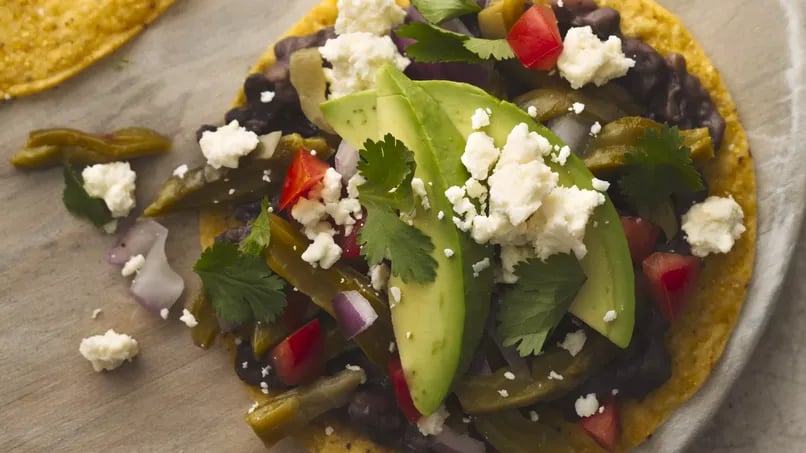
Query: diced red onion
137	240
572	130
157	285
346	160
353	312
449	441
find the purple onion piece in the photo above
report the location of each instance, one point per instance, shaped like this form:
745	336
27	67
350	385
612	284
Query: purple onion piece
157	285
137	240
346	160
449	441
353	312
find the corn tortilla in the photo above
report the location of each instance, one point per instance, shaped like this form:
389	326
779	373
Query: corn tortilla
697	339
44	42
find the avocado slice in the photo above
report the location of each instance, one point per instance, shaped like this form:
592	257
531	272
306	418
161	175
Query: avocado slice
437	325
610	282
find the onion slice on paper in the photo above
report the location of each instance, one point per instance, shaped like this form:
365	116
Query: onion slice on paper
353	312
449	441
157	285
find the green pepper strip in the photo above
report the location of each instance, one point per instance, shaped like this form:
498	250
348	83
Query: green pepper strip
205	332
509	432
322	285
203	187
292	410
479	394
554	102
50	147
605	153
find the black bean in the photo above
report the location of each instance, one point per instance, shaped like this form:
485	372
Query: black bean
413	441
648	74
604	22
375	412
252	373
278	72
240	114
204	128
254	85
287	46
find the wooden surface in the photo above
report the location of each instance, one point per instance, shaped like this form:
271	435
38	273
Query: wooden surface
184	72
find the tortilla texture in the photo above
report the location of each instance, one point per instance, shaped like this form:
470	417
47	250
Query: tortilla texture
697	339
44	42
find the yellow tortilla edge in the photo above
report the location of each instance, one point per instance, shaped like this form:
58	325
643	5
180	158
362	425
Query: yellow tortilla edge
698	338
111	43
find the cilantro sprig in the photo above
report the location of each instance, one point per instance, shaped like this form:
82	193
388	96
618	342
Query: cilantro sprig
438	11
435	45
388	167
237	280
658	167
532	308
79	203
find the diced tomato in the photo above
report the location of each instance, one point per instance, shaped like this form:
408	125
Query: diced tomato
641	237
671	279
603	426
296	309
305	171
349	243
535	38
300	358
402	393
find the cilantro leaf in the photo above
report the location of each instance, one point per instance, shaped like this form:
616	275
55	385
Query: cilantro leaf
385	236
658	167
438	11
486	49
388	166
532	308
435	45
240	287
258	239
79	202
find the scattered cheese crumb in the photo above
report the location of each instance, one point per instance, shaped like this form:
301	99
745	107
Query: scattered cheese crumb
245	365
509	375
574	342
164	313
392	347
227	144
479	119
231	191
379	276
586	405
133	265
108	351
504	393
614	392
466	419
408	335
114	183
252	407
418	187
395	293
562	155
180	171
265	371
713	226
448	253
595	129
441	215
431	425
587	59
533	416
532	111
267	96
188	318
577	107
600	185
329	430
480	266
97	312
554	375
610	316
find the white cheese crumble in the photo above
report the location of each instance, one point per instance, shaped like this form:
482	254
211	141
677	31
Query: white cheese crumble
331	186
164	313
600	185
448	253
114	183
559	227
504	393
586	59
180	171
329	430
355	58
224	146
595	129
574	342
480	155
533	416
431	425
553	375
252	408
517	190
188	318
561	157
509	375
267	96
395	293
480	266
97	312
323	251
577	107
133	265
108	351
532	111
713	226
480	119
377	17
511	255
379	276
610	316
418	187
586	405
408	335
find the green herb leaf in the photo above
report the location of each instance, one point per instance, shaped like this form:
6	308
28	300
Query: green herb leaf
79	202
531	309
240	287
660	166
435	45
259	236
388	166
385	236
486	49
438	11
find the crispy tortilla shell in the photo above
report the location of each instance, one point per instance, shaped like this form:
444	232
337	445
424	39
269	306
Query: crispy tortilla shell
697	339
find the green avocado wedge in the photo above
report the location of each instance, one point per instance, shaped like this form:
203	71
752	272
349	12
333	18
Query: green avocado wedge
607	265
